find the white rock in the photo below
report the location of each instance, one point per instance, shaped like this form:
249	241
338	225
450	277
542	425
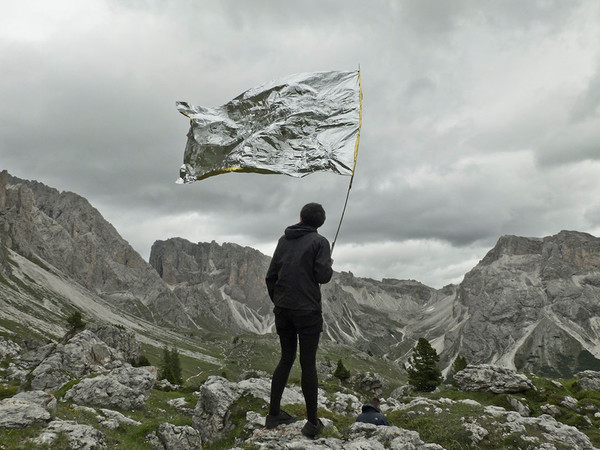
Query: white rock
15	413
78	436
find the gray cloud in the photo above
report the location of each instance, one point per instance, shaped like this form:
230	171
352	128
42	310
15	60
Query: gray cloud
479	119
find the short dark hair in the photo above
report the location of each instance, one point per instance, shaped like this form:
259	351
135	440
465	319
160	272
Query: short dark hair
313	215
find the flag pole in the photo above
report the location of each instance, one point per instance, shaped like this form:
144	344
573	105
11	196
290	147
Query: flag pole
355	157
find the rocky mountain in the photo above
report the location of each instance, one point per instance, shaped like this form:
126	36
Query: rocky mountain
225	284
531	304
61	231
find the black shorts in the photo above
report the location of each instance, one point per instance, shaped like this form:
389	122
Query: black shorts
296	321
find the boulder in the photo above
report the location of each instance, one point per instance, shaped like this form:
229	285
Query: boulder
83	354
182	406
491	378
18	413
217	394
124	388
368	382
45	399
347	404
589	380
171	437
78	436
119	338
114	419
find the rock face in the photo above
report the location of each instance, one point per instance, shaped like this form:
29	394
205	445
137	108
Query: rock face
63	230
495	379
223	286
125	388
531	304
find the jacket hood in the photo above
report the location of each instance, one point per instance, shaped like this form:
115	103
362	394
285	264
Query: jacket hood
298	230
367	407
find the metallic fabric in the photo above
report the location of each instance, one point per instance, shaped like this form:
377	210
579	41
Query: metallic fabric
301	124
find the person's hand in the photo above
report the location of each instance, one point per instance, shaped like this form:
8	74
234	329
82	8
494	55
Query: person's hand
331	261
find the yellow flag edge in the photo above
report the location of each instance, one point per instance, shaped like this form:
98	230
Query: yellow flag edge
359	122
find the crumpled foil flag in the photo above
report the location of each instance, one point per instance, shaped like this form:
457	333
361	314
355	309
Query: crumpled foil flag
297	125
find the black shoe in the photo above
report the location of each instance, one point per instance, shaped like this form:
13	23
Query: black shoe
311	430
282	418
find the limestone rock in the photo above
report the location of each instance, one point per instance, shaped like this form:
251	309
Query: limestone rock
181	405
551	410
368	382
588	380
83	354
171	437
495	379
18	413
347	404
124	388
519	407
217	394
118	338
113	419
45	399
8	348
78	436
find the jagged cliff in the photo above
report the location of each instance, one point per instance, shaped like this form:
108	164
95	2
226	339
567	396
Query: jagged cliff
532	304
223	286
61	231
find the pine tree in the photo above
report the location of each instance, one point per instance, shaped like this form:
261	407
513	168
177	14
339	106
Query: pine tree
75	321
459	364
175	365
423	372
341	372
171	366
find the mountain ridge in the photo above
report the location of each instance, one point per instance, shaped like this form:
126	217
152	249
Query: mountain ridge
530	304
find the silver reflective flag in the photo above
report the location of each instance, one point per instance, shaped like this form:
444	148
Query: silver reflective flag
304	123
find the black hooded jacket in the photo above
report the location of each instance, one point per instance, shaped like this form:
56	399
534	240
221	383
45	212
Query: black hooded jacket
301	262
372	414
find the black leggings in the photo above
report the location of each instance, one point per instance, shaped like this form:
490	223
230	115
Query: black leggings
308	362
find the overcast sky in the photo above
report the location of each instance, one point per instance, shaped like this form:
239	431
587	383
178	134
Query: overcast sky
480	119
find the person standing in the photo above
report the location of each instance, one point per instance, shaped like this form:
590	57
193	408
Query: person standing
301	263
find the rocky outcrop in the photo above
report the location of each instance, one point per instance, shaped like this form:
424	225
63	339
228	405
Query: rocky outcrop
495	379
211	416
83	354
171	437
588	380
124	388
119	338
19	413
361	436
78	436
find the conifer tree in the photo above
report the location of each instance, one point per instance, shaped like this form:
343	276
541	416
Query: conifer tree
341	372
171	366
423	372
